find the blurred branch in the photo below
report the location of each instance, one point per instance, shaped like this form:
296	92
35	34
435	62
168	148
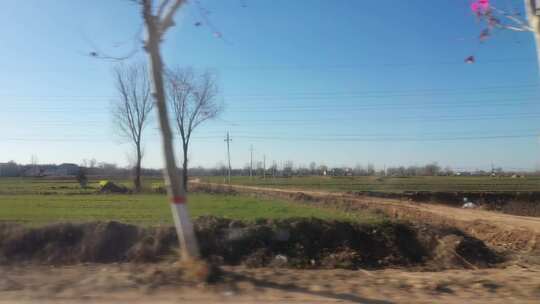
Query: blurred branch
167	21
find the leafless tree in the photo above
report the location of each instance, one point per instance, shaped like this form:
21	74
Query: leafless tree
193	99
131	111
157	23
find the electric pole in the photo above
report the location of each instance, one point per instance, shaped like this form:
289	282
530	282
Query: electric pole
264	166
251	163
228	140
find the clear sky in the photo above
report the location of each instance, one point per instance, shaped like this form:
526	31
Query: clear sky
340	82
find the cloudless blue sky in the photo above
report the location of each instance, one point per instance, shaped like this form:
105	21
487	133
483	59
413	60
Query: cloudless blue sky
339	82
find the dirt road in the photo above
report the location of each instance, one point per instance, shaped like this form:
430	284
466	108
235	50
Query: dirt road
145	284
516	233
515	282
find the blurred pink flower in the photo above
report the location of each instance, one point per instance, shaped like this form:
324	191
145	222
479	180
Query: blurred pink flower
480	6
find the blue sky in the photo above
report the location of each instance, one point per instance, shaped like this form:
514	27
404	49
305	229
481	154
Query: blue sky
336	82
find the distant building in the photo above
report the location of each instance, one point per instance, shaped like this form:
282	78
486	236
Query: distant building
10	169
67	170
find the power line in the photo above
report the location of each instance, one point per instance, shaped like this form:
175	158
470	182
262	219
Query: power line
395	139
386	92
324	107
477	133
341	120
378	93
363	65
365	107
335	120
359	138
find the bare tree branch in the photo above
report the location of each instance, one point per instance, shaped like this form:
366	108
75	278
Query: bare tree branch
193	100
162	6
519	25
167	20
131	111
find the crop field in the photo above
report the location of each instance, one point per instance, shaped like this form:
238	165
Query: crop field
391	184
41	201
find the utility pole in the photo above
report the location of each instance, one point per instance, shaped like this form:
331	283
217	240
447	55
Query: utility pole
264	166
251	163
228	140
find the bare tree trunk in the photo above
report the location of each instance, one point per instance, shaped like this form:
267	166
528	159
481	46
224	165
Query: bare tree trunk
534	22
185	167
137	180
175	189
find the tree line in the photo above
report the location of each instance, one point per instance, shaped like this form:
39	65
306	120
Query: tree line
92	167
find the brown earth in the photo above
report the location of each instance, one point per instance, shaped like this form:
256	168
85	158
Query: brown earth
507	232
162	283
298	243
517	203
515	281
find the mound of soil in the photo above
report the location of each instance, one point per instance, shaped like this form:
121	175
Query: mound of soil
301	196
517	203
298	243
111	187
212	189
463	251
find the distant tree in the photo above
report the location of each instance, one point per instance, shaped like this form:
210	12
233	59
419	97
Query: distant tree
274	169
313	168
259	168
432	169
358	170
131	111
81	178
288	168
370	169
323	169
193	99
246	169
448	171
302	170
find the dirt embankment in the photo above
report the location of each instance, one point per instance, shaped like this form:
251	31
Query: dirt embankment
297	243
516	203
510	233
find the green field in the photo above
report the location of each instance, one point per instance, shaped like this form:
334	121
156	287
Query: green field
391	184
41	201
48	186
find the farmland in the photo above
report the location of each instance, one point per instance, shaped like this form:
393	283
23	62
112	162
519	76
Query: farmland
249	228
42	201
391	184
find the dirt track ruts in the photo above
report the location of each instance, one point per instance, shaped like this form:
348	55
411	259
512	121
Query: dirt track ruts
517	233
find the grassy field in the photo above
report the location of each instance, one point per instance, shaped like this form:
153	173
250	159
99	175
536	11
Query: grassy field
41	201
47	186
392	184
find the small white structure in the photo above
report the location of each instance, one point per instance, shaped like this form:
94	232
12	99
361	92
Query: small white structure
467	204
